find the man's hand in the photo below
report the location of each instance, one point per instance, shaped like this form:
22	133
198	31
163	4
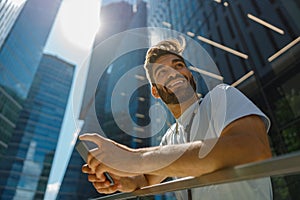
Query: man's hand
111	157
122	184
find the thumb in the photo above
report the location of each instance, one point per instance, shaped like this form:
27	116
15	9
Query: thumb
92	137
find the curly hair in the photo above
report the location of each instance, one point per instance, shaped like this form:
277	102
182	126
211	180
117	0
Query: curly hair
169	46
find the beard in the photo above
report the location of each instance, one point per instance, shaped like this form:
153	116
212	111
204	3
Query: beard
170	97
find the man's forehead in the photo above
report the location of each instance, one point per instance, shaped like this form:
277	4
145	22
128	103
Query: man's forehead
168	58
165	61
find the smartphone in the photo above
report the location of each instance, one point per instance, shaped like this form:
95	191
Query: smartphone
83	150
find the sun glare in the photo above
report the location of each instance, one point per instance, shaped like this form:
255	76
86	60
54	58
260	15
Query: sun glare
79	21
18	2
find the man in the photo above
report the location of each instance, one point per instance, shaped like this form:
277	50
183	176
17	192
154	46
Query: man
221	130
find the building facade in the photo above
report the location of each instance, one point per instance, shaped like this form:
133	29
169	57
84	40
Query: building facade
9	11
25	167
260	60
115	18
75	185
20	55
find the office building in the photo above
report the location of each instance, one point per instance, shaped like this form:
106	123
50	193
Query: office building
75	185
20	55
9	11
25	167
115	18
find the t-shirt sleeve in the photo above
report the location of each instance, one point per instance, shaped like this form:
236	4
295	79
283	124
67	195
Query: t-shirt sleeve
229	104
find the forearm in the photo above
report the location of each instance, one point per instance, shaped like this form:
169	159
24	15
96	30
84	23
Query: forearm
172	160
184	160
154	179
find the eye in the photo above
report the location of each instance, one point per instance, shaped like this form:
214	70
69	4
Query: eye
161	73
179	65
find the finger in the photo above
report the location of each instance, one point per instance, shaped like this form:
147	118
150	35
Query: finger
94	163
93	178
93	154
105	190
92	137
99	171
100	185
85	169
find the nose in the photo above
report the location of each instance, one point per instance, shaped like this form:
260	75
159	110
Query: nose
171	73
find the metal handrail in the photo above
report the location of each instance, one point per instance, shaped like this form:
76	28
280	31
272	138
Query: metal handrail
276	166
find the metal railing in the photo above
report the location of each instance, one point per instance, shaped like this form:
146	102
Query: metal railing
277	166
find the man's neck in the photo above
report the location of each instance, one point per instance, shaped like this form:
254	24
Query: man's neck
178	109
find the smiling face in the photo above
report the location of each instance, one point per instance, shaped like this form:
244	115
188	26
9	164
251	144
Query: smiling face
173	82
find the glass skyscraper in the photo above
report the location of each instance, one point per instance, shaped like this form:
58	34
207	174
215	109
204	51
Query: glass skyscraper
20	55
75	185
116	18
25	168
9	11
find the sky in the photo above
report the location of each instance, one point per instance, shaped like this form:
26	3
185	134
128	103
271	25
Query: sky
71	39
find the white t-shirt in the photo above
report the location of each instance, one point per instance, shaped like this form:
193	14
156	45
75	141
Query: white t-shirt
221	106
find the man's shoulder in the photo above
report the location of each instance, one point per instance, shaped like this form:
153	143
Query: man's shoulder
223	87
223	90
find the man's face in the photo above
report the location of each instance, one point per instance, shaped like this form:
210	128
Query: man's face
174	82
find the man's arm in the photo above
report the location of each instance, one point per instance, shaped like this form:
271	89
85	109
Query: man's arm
242	141
154	179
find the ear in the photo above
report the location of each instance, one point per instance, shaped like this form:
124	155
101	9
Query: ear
154	92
